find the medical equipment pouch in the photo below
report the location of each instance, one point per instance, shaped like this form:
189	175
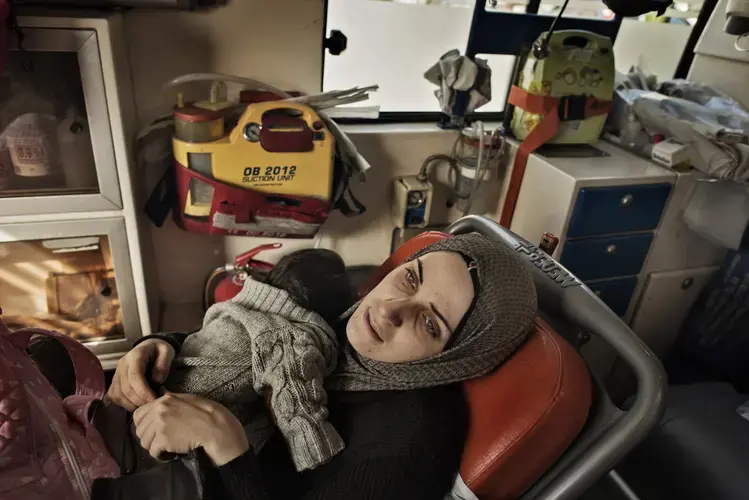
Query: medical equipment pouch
579	63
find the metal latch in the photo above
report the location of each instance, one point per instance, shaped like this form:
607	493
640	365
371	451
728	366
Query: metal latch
336	43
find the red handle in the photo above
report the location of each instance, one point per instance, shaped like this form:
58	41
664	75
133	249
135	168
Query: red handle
285	134
246	257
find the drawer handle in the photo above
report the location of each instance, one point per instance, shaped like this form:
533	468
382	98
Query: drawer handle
627	200
611	249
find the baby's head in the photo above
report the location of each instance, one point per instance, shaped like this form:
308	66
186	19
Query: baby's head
315	279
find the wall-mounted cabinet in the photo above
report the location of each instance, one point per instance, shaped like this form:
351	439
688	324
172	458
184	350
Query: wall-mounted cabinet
74	277
71	253
56	146
665	302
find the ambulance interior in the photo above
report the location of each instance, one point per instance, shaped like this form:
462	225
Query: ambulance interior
605	141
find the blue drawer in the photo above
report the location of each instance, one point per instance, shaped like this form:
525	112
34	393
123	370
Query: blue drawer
621	209
615	293
608	257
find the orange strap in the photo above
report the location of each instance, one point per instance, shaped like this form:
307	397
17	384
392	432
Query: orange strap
553	110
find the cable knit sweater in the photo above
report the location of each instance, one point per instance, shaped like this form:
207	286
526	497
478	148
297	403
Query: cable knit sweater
259	343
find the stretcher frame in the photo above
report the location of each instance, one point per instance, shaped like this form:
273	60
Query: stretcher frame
610	432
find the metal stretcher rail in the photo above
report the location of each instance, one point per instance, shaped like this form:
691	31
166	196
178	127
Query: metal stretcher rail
561	293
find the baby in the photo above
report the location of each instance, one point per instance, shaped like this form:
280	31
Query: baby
273	341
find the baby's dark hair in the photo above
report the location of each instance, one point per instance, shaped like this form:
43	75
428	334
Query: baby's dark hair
316	279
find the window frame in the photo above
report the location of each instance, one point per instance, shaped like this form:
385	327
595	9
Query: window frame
525	28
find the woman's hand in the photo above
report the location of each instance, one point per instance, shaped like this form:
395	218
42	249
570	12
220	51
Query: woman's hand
129	387
179	423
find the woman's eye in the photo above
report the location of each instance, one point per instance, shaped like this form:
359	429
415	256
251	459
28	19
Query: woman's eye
411	278
431	327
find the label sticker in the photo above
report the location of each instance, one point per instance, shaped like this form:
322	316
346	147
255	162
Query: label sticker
269	176
29	156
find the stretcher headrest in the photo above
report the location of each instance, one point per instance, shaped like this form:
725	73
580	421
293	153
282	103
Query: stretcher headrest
524	415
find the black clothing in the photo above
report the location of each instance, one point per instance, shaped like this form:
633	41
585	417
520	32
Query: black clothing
400	445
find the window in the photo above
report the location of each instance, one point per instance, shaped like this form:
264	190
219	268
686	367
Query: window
392	43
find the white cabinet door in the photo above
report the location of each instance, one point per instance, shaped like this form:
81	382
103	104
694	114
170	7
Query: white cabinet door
74	277
57	146
665	303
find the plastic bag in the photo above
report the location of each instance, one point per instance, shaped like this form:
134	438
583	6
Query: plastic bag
699	93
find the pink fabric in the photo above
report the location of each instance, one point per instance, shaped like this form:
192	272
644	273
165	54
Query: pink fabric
48	449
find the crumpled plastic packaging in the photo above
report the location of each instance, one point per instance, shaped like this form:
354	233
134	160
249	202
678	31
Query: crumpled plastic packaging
455	72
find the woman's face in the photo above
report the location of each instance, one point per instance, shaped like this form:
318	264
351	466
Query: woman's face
413	312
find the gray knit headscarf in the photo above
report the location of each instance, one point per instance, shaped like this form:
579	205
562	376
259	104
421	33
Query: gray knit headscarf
499	319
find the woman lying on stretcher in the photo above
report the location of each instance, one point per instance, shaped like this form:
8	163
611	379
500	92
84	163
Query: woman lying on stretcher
454	311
